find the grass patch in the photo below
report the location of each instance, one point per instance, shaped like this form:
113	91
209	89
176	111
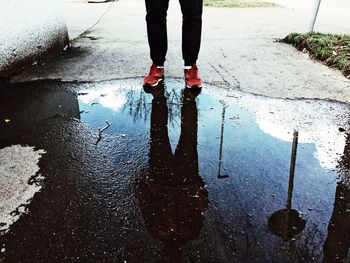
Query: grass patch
333	50
238	3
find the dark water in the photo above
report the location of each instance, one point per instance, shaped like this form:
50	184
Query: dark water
178	176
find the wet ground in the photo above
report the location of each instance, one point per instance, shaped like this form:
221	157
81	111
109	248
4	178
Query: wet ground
167	174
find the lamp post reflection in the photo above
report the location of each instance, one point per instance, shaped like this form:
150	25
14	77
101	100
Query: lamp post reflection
221	176
288	223
172	196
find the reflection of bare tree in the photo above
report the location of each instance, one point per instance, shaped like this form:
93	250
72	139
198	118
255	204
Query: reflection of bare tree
250	235
139	105
307	248
253	243
174	103
136	103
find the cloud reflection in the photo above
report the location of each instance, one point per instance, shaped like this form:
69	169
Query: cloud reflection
108	97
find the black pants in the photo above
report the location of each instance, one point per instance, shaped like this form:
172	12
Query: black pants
191	29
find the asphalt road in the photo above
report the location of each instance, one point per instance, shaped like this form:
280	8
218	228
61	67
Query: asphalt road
173	177
238	50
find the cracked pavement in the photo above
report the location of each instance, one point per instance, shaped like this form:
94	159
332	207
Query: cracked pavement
239	50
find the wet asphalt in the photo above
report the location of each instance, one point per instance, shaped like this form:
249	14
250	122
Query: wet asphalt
176	175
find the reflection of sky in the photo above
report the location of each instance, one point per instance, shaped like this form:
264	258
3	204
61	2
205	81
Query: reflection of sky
317	122
329	141
108	98
113	106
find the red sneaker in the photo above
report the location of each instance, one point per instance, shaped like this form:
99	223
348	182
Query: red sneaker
192	77
154	76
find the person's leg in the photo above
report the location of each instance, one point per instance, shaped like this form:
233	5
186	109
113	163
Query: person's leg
191	29
156	29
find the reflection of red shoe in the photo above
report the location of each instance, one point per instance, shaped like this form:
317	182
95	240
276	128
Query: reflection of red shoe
156	91
192	77
191	94
154	76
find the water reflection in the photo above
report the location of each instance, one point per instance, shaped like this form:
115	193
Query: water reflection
92	187
287	223
107	97
337	244
172	195
221	176
317	122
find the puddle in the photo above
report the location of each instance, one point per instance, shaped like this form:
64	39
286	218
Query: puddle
176	176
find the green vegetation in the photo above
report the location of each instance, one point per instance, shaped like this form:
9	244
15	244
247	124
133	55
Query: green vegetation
333	50
238	3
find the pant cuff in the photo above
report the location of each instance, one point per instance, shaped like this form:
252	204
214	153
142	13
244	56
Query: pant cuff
189	63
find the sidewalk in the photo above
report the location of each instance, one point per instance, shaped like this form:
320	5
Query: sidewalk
333	16
238	50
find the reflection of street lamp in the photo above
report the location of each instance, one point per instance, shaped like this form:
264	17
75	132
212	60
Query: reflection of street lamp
287	223
220	176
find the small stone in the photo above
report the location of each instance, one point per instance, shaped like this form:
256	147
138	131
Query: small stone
7	120
3	250
341	129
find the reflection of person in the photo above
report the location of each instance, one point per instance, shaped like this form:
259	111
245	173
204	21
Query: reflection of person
172	196
158	42
337	243
338	239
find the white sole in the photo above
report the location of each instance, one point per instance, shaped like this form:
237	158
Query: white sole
194	86
189	87
155	84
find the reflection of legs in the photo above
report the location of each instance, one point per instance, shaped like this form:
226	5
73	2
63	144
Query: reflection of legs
191	29
160	151
173	198
192	192
156	29
186	152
